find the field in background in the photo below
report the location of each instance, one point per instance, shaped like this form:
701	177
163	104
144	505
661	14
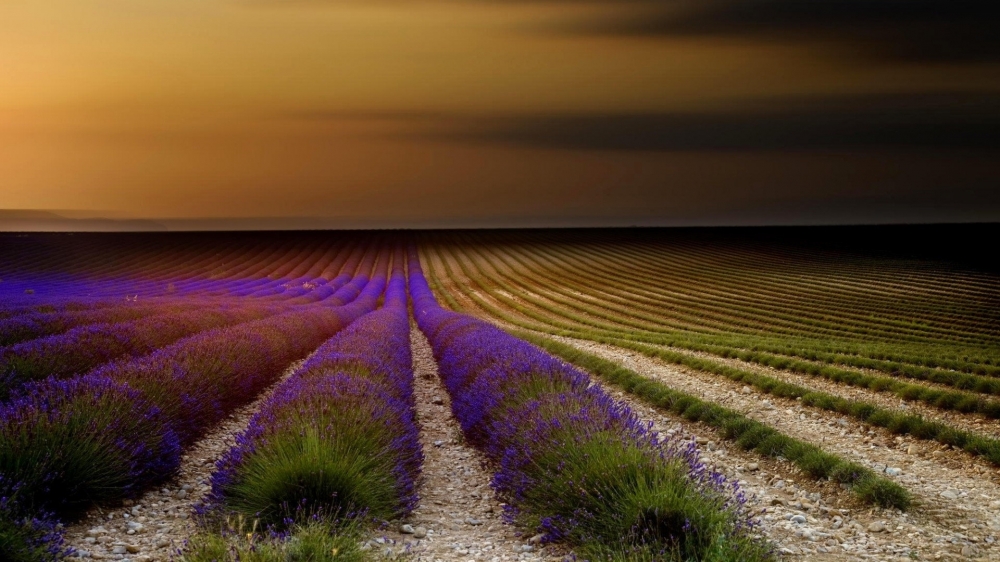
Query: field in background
886	338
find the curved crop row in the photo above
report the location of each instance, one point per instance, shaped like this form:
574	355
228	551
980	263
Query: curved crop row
673	293
770	287
626	307
748	433
928	356
895	421
69	443
340	435
336	443
669	292
824	278
81	349
30	326
949	400
572	462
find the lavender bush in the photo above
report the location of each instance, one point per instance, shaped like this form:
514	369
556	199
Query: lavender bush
67	443
27	538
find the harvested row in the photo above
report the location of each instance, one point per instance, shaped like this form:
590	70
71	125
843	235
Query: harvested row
571	462
755	271
896	421
610	293
848	346
941	398
784	292
667	299
624	315
655	295
336	443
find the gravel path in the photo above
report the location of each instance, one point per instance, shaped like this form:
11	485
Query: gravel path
459	517
155	526
958	511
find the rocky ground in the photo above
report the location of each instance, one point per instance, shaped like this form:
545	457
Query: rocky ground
957	511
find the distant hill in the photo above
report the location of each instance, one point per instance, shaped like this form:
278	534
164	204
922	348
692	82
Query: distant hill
30	220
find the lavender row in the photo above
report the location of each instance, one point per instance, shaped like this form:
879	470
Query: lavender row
296	276
36	325
339	438
68	443
247	280
573	463
81	349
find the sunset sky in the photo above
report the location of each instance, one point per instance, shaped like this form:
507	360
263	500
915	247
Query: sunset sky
402	113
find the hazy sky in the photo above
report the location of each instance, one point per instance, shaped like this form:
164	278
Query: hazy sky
418	113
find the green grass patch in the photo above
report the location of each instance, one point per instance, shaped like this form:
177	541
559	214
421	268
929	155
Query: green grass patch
240	540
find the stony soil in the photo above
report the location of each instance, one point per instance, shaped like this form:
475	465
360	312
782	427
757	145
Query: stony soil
957	516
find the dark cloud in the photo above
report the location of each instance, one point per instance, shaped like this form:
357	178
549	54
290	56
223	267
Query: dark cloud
919	30
946	121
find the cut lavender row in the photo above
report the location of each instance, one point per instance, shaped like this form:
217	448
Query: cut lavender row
110	434
339	438
573	463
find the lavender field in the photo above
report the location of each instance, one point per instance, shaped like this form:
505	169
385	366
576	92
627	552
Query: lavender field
495	395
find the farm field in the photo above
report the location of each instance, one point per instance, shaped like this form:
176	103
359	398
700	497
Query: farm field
631	394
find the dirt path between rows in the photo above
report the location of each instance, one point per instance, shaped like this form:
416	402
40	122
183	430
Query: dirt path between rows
458	516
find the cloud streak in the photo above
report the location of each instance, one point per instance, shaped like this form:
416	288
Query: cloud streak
943	121
906	30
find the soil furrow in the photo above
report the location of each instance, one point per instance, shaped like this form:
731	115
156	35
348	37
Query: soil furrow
459	517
